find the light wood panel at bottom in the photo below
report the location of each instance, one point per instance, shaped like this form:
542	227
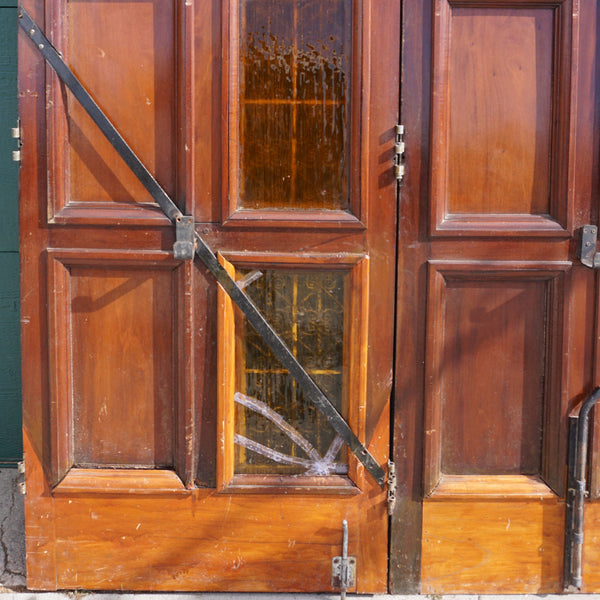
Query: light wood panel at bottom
197	540
492	546
591	549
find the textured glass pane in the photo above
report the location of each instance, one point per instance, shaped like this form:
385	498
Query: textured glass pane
295	62
277	430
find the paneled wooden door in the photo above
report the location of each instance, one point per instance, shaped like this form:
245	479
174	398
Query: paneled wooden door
496	316
165	447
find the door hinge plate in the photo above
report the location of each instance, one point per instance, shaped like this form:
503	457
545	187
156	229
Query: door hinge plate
16	134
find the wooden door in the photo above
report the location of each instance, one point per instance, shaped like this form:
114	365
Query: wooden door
165	447
500	105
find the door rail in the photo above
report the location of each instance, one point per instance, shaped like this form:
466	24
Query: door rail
202	250
576	491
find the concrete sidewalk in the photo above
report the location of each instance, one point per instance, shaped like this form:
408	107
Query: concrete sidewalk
12	533
12	568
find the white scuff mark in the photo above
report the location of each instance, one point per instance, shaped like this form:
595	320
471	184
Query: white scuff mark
315	464
138	526
148	102
508	525
101	52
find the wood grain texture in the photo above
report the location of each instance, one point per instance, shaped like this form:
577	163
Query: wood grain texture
103	259
454	54
501	113
499	547
591	556
492	330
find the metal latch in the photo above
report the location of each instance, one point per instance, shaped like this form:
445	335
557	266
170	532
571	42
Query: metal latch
343	568
185	246
391	487
399	148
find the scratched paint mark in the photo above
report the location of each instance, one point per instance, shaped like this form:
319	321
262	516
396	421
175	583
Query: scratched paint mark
315	464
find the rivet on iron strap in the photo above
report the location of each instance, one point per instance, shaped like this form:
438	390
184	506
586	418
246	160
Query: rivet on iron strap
251	312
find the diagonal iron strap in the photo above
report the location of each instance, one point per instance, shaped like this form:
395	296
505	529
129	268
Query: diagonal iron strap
251	312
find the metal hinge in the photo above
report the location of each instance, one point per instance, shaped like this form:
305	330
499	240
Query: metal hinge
399	148
391	487
343	568
16	134
21	471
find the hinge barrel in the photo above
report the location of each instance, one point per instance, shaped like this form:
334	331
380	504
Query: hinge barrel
399	150
391	487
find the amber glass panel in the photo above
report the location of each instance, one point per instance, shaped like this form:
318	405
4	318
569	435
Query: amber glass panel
307	310
295	63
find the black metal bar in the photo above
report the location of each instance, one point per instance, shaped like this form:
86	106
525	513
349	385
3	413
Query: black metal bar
570	500
576	490
251	312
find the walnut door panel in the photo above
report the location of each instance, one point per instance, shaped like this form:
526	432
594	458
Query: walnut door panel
493	400
165	447
493	306
92	183
501	84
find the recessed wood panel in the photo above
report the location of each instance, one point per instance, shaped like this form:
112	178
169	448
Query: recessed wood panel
500	113
138	96
123	386
499	128
491	338
492	385
118	381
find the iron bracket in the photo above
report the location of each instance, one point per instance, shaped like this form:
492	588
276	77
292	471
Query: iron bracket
185	246
587	247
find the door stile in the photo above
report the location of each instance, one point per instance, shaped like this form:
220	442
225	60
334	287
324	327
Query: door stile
188	446
412	253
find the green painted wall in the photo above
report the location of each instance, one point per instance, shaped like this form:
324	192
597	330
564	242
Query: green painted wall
10	374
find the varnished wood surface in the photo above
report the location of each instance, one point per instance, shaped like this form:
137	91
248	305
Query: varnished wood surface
135	504
486	404
472	546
